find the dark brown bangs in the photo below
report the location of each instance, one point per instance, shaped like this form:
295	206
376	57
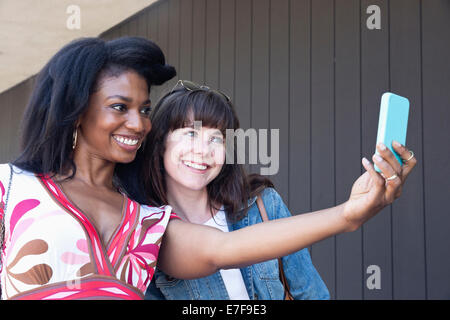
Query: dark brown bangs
206	106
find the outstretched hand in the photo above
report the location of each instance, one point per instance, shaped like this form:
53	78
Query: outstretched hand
373	191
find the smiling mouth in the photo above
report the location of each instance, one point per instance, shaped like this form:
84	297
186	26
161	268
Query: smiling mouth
195	165
126	141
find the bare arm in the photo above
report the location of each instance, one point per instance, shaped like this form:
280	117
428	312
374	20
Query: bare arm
192	251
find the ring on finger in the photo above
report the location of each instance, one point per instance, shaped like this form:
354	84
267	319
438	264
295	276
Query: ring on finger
410	157
392	177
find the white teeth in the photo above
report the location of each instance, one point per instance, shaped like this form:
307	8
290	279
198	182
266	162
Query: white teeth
130	142
195	165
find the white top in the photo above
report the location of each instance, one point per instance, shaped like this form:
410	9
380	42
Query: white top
234	283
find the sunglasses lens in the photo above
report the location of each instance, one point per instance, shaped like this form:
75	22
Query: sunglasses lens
192	86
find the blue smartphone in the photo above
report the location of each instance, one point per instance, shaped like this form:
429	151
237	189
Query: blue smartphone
393	122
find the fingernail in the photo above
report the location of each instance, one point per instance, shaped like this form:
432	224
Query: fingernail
396	144
382	146
378	158
365	161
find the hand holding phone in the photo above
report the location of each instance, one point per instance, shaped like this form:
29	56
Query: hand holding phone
393	122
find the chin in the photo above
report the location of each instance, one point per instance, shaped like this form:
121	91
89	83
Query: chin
195	186
128	159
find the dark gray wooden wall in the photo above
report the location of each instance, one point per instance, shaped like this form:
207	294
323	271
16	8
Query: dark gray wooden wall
315	71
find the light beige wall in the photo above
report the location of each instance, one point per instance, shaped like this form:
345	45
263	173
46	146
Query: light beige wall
32	31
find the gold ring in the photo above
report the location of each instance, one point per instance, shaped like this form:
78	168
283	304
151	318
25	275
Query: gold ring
411	156
392	178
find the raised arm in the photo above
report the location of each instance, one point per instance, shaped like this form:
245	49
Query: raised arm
191	251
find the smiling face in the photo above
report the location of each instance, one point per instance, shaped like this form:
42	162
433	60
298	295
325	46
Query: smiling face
193	157
117	119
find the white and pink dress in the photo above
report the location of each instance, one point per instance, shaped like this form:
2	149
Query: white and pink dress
52	251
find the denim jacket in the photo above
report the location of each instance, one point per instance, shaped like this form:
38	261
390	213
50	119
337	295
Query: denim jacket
261	280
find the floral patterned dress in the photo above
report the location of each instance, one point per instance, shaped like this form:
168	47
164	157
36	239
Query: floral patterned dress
52	251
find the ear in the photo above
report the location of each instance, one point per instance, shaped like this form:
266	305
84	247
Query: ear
78	122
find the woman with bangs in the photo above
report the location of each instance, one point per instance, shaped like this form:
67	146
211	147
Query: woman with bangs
185	167
186	170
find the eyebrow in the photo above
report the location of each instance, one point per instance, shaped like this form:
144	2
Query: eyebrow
118	96
188	125
217	132
191	125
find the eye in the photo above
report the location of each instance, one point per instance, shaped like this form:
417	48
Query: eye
217	139
119	107
146	111
191	133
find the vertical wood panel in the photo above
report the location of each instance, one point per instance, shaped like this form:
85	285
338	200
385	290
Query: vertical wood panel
407	212
163	39
260	67
113	33
377	237
152	23
12	105
349	271
18	104
107	35
198	41
436	153
323	131
212	43
10	100
142	25
279	90
185	70
124	29
5	138
227	46
300	111
132	27
242	96
152	34
173	56
163	26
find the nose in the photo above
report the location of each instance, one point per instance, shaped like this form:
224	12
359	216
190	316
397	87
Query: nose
135	122
202	146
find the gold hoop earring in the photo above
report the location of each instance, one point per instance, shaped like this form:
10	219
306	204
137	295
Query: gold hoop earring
74	138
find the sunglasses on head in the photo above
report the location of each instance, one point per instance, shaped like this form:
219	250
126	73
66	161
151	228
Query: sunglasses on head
192	86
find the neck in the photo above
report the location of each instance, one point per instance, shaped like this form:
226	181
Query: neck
93	172
191	205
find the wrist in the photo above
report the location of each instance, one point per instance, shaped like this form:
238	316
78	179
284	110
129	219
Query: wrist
349	222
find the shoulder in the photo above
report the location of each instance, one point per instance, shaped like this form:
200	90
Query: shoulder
271	197
152	222
162	212
4	171
18	177
4	176
154	210
273	203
